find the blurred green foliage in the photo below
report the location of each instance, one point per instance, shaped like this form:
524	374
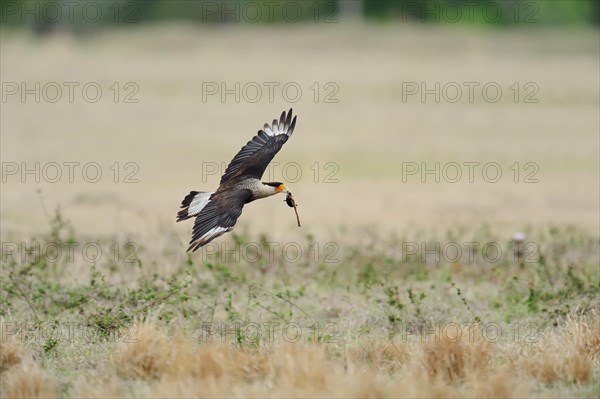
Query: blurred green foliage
233	11
487	12
96	13
48	15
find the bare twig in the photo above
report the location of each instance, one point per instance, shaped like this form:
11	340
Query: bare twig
16	285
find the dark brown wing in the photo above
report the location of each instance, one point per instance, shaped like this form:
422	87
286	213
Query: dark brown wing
218	216
252	160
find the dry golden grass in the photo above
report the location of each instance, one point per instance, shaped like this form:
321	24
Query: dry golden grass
452	360
145	358
568	355
12	353
20	376
160	364
28	382
378	354
584	335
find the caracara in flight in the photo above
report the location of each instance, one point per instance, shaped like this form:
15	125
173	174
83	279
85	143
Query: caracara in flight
216	212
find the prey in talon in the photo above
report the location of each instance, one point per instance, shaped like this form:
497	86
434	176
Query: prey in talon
289	199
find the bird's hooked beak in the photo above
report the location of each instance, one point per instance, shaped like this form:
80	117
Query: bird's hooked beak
282	188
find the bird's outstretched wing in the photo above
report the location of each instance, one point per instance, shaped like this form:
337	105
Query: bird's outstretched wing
252	160
218	217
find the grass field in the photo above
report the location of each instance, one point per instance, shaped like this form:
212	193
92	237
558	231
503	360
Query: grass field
395	286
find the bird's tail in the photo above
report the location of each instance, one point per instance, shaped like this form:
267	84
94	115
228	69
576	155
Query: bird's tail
192	204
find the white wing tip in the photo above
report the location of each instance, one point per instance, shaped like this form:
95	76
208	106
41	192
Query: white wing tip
209	236
283	125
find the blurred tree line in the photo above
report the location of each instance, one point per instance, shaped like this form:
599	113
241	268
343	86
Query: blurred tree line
488	12
47	15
